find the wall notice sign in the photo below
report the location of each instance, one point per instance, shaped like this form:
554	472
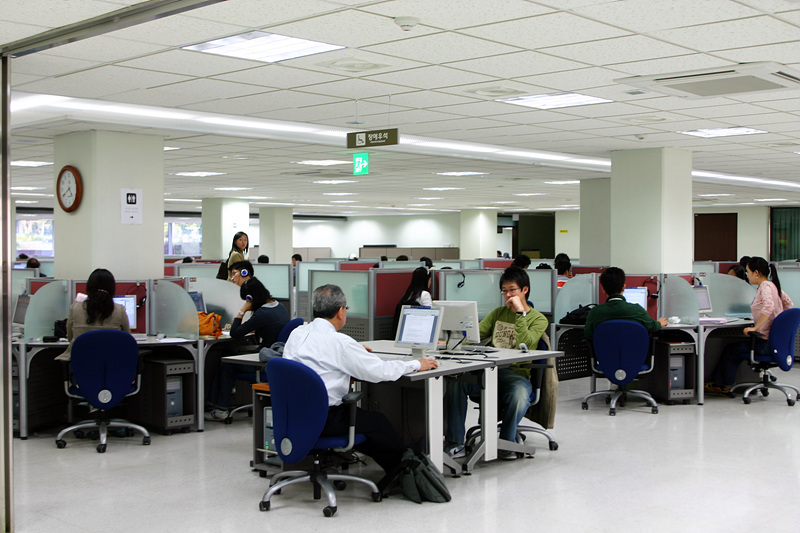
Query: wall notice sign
131	206
366	139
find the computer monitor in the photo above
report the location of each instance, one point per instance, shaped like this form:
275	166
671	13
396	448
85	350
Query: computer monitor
199	303
459	320
20	309
129	302
418	329
703	299
636	295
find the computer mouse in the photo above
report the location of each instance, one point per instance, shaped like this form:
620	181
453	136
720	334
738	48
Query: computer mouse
523	347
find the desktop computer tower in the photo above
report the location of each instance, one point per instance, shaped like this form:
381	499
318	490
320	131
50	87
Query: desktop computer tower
174	396
167	399
673	378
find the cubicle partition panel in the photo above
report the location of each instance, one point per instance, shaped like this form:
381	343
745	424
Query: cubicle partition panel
482	286
34	284
357	286
302	281
543	290
575	363
649	281
790	282
587	269
703	268
401	264
582	289
220	296
676	299
731	296
355	265
389	287
496	263
277	279
19	281
173	312
471	264
724	266
196	270
169	269
137	288
49	303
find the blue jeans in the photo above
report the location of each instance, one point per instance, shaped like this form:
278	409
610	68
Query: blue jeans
514	396
732	356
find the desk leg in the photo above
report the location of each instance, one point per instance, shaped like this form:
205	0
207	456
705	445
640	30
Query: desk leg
200	372
22	378
434	398
701	364
489	414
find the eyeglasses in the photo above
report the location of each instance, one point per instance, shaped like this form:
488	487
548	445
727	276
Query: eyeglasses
346	307
509	291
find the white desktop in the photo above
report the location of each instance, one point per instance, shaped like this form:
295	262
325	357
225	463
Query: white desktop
418	329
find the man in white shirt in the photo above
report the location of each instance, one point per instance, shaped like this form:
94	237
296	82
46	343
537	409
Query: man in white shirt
336	357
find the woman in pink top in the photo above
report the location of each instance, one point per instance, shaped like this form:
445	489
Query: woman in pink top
770	301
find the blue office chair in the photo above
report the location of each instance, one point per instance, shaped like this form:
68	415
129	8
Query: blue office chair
261	375
299	412
782	336
621	349
104	368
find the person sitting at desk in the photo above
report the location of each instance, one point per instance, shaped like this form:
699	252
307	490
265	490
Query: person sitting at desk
417	293
509	326
612	281
337	358
240	272
563	267
97	311
269	317
770	301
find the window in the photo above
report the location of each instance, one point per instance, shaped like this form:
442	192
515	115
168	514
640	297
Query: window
785	233
183	237
35	235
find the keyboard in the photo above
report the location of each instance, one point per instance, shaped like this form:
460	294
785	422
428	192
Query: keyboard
140	336
477	348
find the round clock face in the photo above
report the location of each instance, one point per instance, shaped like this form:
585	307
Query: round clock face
69	188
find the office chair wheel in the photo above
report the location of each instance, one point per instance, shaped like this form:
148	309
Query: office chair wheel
654	410
585	406
186	429
377	496
229	420
61	443
101	448
612	412
339	485
553	445
146	440
263	506
608	400
262	473
773	378
329	511
790	402
746	400
94	434
250	413
79	434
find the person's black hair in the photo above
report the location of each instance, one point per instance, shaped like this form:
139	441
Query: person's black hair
427	260
188	259
235	248
744	260
244	267
768	270
259	295
506	256
612	280
263	259
739	270
543	266
562	263
100	289
33	263
297	257
384	258
401	257
22	256
521	261
515	275
419	283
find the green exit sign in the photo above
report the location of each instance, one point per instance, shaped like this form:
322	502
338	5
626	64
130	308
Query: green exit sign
360	164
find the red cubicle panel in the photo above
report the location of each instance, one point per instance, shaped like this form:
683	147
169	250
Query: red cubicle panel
651	282
497	263
38	283
139	289
169	269
354	265
389	289
587	269
724	266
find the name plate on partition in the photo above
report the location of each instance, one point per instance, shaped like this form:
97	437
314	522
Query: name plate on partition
366	139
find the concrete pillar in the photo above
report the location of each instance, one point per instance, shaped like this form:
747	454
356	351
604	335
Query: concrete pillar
102	232
478	233
568	233
222	218
275	226
651	210
595	222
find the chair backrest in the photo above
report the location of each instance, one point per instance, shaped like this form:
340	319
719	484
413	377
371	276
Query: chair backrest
299	407
104	364
620	349
782	335
287	329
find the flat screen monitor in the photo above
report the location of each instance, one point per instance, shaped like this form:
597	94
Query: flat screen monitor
199	303
129	302
459	320
636	295
703	299
418	329
20	266
21	308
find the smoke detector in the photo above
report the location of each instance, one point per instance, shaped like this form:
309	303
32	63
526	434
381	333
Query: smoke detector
406	23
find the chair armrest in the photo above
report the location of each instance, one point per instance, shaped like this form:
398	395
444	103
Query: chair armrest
753	336
351	399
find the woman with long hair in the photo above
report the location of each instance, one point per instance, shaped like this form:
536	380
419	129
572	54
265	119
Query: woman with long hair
96	311
239	248
417	293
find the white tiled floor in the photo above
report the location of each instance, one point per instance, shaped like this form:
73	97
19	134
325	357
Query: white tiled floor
721	466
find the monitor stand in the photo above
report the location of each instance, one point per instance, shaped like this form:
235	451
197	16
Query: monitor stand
418	352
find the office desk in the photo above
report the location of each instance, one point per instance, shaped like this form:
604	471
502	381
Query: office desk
703	332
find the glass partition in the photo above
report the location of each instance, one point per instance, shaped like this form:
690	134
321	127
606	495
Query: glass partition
50	303
401	264
304	267
48	268
704	267
678	299
329	259
471	264
480	286
542	286
455	264
19	283
193	270
354	284
174	312
730	296
276	278
221	297
790	283
579	290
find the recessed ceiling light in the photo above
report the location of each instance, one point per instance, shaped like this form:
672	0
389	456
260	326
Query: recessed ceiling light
722	132
461	173
30	163
443	189
714	195
199	174
232	189
237	157
254	197
343	201
39	194
563	182
339	193
170	148
431	198
181	200
644	119
503	202
21	188
536	155
529	194
554	101
352	64
419	205
769	199
495	91
569	205
263	46
26	201
334	182
322	162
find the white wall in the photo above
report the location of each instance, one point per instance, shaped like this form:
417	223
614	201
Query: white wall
752	231
505	241
346	237
568	233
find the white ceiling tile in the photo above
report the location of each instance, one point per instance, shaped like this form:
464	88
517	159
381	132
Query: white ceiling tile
44	65
732	34
442	48
102	81
611	110
517	64
455	15
261	13
261	105
772	6
180	30
13	31
103	49
546	31
411	116
666	65
618	50
573	80
428	99
316	62
189	92
723	111
344	111
280	76
785	53
190	63
44	13
356	88
431	77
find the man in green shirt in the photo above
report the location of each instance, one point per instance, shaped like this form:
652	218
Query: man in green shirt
612	281
509	326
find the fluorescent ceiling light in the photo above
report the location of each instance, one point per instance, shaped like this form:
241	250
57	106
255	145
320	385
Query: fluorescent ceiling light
30	163
466	147
170	148
232	189
536	155
263	46
138	111
334	182
563	182
503	202
181	200
529	194
554	100
443	189
37	100
344	201
339	193
769	199
257	124
199	174
26	201
722	132
431	198
419	205
570	205
461	173
20	188
322	162
601	162
43	195
713	195
254	197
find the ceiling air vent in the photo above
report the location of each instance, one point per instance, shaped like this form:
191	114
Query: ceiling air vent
725	81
